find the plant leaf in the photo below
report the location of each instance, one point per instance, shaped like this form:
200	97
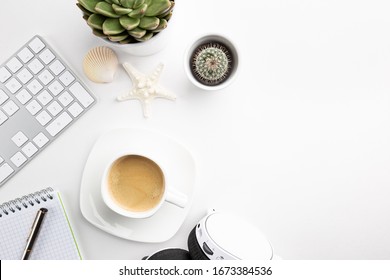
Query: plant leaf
157	7
89	4
137	32
127	3
140	12
146	37
111	26
138	3
168	17
84	10
163	24
168	11
119	10
128	40
149	23
106	9
120	37
96	21
129	23
99	33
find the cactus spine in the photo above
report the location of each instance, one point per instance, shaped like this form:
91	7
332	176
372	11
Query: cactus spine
211	63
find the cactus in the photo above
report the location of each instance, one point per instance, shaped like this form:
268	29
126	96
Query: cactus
126	21
211	63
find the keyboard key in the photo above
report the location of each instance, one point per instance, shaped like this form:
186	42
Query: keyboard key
23	96
3	117
55	88
45	77
44	97
3	96
81	94
47	56
24	76
36	45
67	78
19	139
18	159
25	55
65	98
40	140
54	108
4	74
57	67
33	107
14	65
29	149
13	85
34	87
5	171
59	124
35	66
1	160
43	118
10	108
75	109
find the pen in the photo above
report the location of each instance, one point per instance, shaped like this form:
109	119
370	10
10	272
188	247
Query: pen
34	232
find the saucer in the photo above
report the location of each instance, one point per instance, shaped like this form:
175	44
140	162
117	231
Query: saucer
178	164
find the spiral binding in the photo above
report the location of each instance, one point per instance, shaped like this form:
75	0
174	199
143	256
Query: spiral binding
25	201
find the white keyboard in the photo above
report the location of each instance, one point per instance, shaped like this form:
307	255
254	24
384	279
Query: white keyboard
40	96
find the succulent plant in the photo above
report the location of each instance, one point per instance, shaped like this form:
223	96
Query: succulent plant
211	63
126	21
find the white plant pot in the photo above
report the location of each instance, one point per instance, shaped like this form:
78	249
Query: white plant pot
204	39
150	47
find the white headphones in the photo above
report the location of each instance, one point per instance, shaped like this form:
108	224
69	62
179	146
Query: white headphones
220	236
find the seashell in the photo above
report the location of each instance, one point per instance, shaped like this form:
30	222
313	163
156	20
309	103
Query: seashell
100	64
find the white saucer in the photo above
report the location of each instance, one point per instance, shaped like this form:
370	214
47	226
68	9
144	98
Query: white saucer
180	169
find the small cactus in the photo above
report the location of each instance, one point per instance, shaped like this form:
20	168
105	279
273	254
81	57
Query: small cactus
126	21
211	63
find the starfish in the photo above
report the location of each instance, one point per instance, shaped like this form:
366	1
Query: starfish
145	87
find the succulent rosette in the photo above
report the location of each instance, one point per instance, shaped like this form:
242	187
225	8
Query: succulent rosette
126	21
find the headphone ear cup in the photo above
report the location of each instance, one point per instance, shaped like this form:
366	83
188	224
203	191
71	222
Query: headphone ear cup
170	254
195	251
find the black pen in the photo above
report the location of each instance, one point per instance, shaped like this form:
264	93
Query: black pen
36	226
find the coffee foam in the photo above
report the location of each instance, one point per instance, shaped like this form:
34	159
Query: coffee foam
136	183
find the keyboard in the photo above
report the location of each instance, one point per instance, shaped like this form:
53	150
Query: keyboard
40	97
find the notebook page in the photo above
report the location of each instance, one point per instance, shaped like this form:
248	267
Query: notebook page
55	240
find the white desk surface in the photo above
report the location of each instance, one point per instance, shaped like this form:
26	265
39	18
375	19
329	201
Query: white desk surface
299	144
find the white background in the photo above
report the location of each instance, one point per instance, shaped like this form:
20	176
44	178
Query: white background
281	270
299	144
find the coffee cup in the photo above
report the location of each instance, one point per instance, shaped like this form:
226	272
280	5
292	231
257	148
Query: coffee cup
135	186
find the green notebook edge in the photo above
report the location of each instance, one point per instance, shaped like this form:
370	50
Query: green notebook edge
70	227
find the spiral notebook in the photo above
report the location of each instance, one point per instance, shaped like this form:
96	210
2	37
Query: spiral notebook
55	241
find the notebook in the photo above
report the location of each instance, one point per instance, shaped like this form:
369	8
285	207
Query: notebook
55	241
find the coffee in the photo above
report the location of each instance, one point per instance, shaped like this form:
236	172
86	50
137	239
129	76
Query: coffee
136	183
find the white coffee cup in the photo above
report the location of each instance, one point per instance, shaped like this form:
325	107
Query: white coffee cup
135	186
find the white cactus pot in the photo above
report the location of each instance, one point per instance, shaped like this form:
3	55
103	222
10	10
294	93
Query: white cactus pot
205	39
